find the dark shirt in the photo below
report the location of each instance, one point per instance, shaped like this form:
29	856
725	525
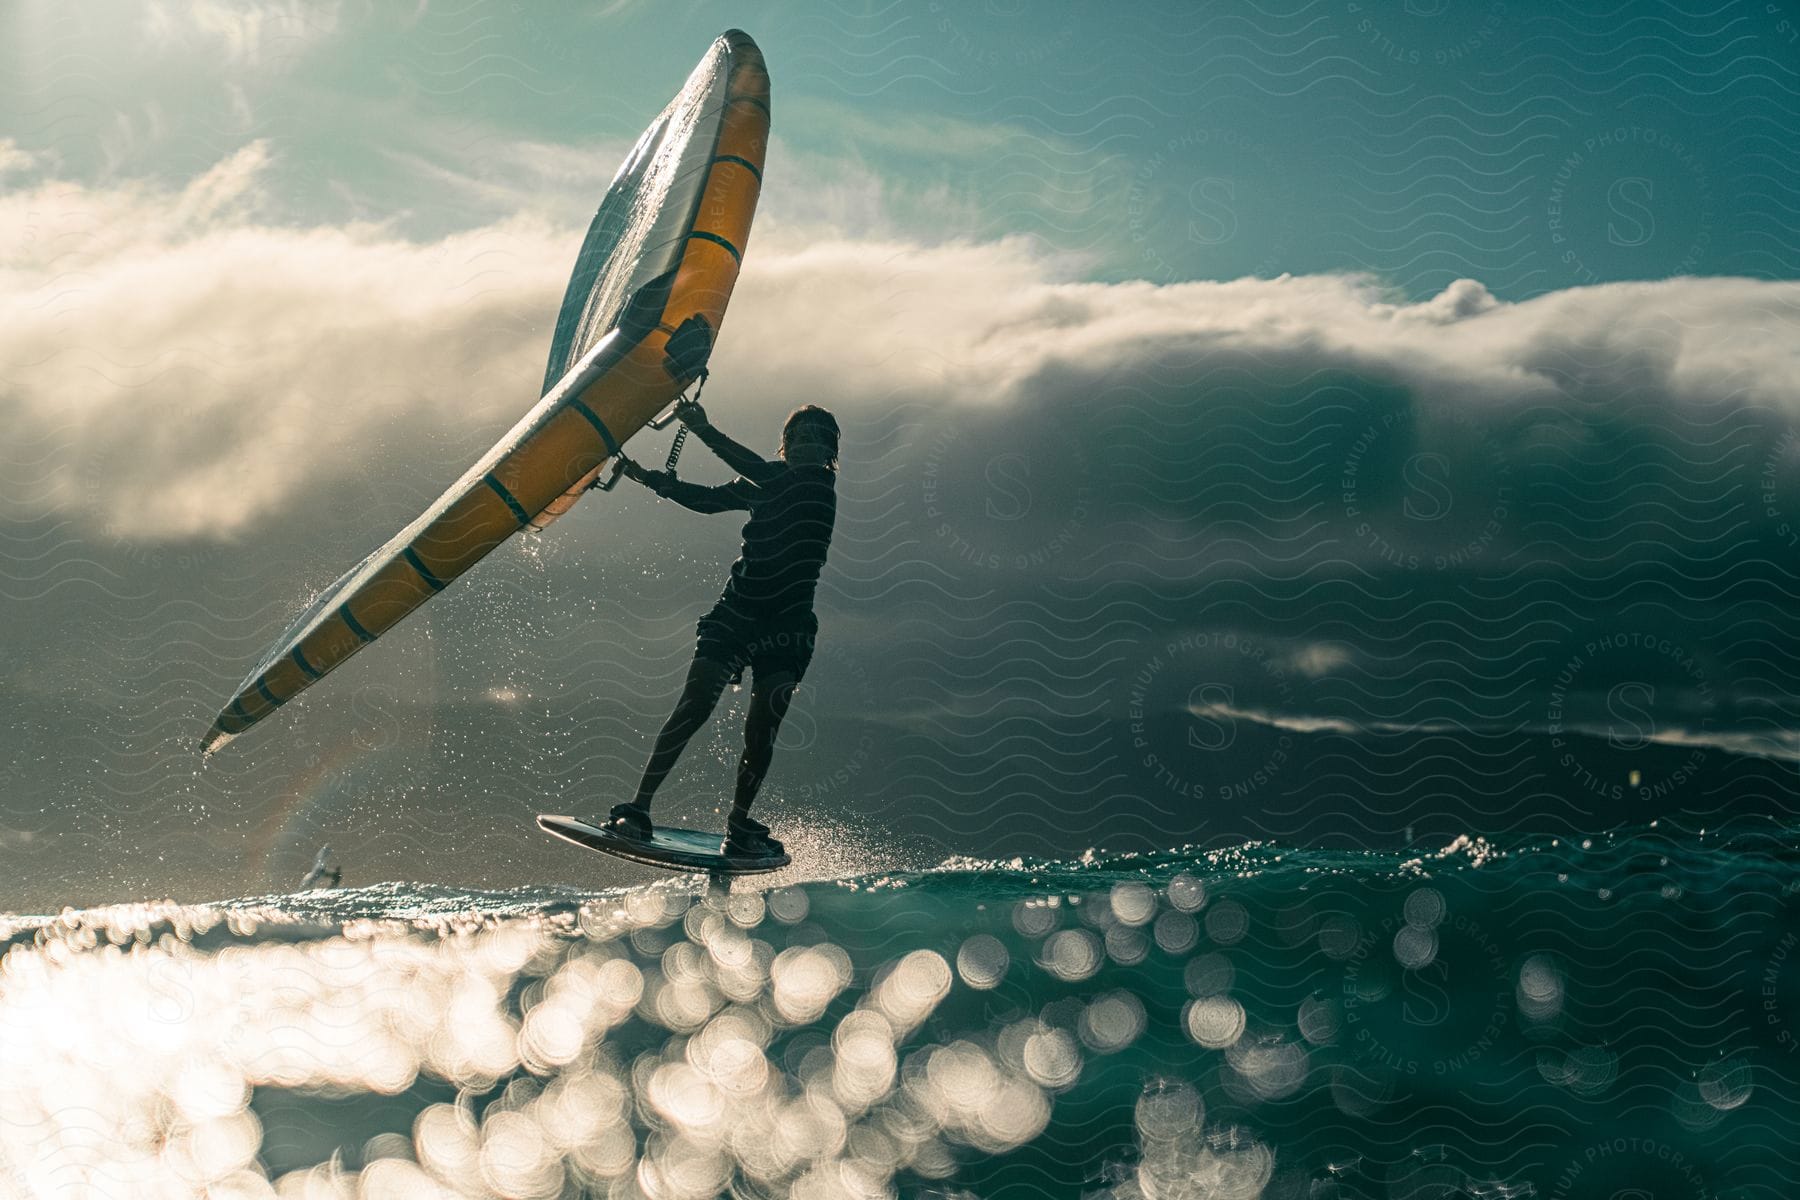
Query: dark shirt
792	513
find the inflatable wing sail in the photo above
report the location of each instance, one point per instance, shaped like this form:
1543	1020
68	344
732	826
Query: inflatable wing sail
662	254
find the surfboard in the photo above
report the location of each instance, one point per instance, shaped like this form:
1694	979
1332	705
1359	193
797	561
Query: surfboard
675	849
661	257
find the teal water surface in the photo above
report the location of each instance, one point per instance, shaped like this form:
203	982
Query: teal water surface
1610	1018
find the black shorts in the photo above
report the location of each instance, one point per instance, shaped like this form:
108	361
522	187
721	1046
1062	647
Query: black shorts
766	647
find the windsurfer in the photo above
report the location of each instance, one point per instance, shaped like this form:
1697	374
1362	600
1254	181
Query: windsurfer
764	619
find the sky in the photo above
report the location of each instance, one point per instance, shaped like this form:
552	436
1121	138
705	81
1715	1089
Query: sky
1327	422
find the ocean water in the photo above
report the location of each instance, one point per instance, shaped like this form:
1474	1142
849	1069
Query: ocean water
1616	1018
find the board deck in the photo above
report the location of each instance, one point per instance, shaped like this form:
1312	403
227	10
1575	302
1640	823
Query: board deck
676	849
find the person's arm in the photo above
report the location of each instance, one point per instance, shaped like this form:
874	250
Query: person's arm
698	497
740	458
703	499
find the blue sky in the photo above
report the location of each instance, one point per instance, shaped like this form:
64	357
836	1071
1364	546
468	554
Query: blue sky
1305	376
1533	146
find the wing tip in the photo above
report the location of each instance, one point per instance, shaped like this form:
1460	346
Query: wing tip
741	46
215	739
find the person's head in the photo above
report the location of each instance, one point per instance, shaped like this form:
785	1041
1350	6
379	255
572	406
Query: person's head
810	438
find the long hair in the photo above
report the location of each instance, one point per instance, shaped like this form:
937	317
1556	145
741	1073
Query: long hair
811	414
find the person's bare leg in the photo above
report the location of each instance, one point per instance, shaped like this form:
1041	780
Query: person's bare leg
705	682
769	700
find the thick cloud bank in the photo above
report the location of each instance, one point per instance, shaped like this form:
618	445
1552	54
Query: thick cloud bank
189	364
196	361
